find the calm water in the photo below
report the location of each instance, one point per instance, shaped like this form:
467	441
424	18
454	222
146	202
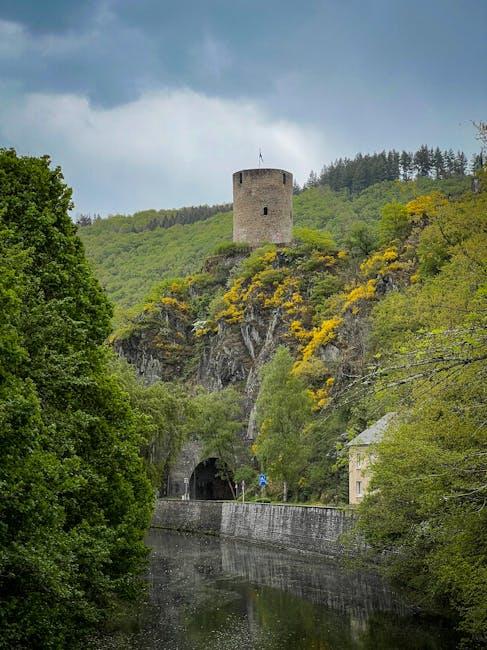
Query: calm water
207	593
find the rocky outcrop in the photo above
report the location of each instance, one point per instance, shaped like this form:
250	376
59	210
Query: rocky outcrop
160	345
219	328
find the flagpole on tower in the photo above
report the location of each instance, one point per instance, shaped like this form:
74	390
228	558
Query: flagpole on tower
260	157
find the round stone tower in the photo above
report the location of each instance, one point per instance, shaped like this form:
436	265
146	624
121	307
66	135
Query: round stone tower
262	206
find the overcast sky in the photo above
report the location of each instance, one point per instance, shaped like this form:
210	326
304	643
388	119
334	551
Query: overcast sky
154	103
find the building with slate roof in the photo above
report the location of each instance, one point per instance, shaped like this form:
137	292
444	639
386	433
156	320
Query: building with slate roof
360	457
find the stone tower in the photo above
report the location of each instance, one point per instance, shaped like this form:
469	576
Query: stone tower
262	206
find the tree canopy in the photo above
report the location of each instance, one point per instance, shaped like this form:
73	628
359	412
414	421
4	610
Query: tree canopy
76	498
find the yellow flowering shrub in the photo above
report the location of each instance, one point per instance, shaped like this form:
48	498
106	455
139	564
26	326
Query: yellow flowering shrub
173	302
320	398
428	204
362	292
319	336
295	304
232	299
299	332
283	290
202	331
379	263
179	285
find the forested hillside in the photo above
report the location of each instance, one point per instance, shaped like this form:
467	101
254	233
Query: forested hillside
130	254
362	171
303	346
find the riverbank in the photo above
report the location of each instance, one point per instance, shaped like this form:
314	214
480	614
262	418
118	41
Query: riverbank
304	529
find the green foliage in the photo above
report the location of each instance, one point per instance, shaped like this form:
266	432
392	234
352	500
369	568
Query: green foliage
217	419
361	172
257	261
326	475
164	414
394	223
362	239
153	219
314	239
232	248
328	285
75	496
430	342
128	263
284	407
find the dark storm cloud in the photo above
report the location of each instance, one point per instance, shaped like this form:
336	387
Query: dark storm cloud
360	75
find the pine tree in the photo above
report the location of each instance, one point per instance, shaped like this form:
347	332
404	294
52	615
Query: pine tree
460	164
406	162
449	160
438	163
422	161
312	180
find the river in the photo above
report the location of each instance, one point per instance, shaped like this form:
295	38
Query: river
209	593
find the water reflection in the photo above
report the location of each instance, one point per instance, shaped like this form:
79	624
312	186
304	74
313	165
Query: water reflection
211	593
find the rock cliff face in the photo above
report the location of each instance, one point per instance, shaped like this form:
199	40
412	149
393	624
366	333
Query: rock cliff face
161	347
219	328
236	354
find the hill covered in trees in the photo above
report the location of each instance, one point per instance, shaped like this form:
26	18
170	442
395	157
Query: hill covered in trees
132	253
362	171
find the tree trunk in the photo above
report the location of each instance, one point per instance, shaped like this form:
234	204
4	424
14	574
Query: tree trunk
284	491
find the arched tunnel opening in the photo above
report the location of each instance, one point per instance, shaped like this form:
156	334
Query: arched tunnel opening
207	484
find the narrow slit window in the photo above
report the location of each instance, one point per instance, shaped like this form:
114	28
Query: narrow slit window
358	487
241	178
264	211
284	179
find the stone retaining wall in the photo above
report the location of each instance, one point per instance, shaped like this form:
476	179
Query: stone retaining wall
294	528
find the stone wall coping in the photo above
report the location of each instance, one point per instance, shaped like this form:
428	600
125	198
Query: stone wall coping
344	509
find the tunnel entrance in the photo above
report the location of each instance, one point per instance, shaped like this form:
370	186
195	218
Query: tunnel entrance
205	482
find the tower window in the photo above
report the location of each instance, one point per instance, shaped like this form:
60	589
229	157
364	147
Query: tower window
264	211
358	488
284	179
241	178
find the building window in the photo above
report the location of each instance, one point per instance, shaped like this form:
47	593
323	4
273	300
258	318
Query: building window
359	462
358	488
241	178
284	179
264	211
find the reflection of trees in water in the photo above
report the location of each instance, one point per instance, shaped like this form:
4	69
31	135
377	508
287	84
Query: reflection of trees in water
207	592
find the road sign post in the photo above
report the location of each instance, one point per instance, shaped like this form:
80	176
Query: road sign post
262	484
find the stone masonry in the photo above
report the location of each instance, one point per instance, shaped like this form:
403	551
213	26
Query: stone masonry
262	206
